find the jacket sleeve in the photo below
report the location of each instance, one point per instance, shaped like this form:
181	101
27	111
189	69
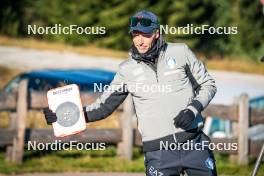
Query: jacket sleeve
203	84
105	105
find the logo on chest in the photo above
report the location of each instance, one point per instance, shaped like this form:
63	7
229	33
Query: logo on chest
171	62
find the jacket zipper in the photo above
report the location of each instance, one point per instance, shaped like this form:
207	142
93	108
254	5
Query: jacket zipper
153	70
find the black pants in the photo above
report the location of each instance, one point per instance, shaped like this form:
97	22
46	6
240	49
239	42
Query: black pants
173	162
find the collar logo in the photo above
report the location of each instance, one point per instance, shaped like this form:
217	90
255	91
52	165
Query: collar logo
171	63
209	163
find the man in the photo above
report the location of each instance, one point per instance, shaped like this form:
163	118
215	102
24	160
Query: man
169	114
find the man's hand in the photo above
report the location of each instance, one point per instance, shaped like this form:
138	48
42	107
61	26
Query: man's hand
184	119
49	116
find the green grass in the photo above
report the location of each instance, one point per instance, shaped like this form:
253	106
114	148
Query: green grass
224	167
100	161
74	161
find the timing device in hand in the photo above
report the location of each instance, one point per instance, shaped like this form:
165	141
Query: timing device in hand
66	103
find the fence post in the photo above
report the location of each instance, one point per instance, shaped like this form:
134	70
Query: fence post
125	148
243	123
15	153
12	126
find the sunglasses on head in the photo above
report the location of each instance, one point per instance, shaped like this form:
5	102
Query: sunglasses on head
143	21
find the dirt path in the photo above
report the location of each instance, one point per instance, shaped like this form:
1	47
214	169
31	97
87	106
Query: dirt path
30	59
83	174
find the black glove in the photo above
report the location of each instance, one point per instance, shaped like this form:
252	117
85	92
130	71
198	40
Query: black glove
49	116
184	119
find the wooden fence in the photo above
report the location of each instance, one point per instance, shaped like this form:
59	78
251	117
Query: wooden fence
15	137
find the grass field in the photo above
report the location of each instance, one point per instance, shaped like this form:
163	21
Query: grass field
103	161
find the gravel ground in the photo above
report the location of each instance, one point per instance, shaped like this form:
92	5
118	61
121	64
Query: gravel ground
82	174
31	59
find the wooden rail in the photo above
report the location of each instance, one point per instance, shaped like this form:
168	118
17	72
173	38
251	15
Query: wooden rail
125	137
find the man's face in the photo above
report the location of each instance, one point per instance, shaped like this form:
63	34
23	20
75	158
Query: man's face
143	41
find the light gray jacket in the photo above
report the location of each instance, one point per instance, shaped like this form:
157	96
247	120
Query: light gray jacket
180	81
